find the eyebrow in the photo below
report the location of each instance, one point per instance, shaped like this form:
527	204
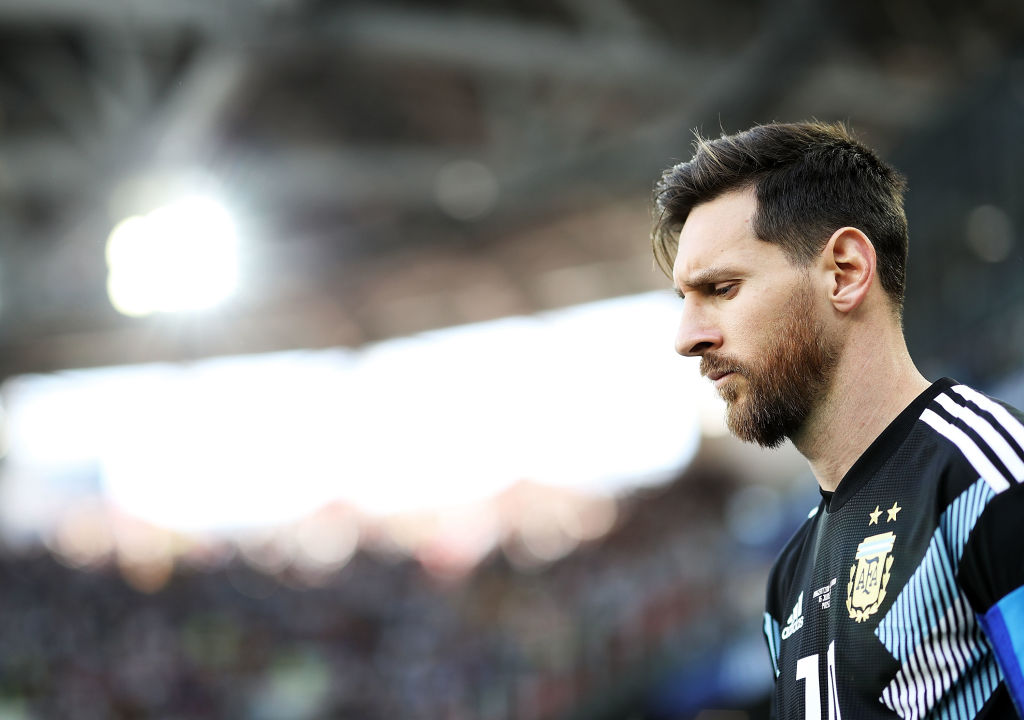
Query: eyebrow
708	276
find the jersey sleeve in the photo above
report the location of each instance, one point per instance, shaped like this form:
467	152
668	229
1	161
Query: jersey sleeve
773	636
780	579
991	570
992	575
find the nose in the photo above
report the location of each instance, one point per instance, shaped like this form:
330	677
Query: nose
696	334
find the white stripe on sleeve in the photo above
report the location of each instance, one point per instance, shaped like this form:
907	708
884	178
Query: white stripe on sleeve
971	451
989	434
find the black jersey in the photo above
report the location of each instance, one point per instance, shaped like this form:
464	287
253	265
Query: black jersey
902	595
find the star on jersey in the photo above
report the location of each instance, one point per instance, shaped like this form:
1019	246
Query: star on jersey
874	516
892	511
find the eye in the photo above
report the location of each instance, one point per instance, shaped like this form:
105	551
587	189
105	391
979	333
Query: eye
723	289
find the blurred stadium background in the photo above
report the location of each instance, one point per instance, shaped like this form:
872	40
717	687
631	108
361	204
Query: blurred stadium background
337	378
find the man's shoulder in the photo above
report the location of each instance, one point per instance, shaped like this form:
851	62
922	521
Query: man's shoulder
980	435
958	400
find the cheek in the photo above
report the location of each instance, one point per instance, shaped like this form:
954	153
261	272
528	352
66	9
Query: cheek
763	318
746	333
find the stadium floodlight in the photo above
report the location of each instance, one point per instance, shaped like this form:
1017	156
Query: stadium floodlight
179	257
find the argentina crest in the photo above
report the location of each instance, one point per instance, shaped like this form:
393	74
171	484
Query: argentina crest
869	576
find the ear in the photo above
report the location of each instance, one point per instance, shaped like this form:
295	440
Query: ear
850	264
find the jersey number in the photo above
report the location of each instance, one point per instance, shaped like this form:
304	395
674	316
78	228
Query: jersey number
807	670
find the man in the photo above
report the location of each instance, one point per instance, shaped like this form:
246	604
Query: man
903	593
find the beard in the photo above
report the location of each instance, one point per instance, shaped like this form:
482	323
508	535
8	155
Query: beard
785	383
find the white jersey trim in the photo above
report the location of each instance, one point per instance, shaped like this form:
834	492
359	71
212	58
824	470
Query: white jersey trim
996	442
1001	414
988	472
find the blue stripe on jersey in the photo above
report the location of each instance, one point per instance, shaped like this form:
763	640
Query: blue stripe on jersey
1004	625
774	637
931	628
958	521
971	694
932	592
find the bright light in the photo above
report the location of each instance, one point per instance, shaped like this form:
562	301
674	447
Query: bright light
178	257
591	398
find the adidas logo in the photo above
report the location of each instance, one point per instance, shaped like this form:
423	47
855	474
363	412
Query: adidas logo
795	621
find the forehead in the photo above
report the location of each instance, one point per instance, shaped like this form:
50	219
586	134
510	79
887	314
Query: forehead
719	233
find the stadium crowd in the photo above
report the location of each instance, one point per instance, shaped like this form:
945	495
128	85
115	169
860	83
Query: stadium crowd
383	637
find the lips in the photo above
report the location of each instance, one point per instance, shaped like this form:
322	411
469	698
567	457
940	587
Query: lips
719	375
721	378
717	371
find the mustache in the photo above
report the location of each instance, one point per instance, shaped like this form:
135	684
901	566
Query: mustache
717	364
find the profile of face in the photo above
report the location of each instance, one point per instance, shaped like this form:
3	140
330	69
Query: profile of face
751	316
784	380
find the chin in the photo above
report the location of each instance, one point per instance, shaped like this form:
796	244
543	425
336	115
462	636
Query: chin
730	394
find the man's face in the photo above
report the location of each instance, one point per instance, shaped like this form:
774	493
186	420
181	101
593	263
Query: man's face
753	319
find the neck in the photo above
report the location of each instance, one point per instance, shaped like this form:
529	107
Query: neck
874	381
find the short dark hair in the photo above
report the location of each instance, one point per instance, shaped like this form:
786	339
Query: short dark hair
809	178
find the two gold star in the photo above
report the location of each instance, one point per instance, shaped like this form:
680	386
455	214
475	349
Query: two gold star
889	518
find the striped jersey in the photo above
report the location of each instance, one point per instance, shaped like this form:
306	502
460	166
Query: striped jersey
902	595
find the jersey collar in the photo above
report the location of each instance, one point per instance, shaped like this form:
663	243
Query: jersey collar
883	447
